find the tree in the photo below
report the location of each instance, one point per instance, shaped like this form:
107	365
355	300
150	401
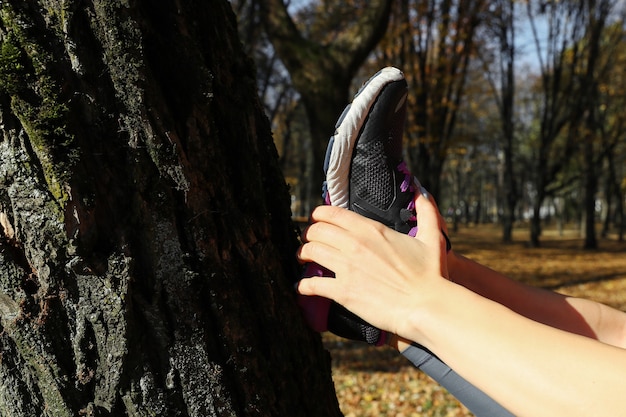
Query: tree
146	248
433	41
502	28
612	126
596	16
570	115
322	66
556	59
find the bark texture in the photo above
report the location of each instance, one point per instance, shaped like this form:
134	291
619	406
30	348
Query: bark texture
146	247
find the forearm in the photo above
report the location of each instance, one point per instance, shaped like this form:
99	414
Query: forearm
583	317
530	368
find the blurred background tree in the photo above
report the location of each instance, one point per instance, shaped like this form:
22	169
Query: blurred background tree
321	46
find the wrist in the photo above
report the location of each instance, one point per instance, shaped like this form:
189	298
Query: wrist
420	321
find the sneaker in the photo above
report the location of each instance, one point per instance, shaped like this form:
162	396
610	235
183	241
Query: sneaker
364	168
365	173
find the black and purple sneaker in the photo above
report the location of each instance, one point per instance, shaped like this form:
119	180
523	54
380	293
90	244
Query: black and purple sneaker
364	169
366	174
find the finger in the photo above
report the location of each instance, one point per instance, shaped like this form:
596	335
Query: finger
326	233
442	222
321	254
427	214
319	286
340	217
326	244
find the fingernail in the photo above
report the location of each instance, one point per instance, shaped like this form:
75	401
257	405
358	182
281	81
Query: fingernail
419	185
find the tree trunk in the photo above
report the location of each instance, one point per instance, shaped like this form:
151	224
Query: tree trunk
506	39
321	71
535	220
613	188
590	185
146	246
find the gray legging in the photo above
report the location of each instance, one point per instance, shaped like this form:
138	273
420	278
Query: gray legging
474	399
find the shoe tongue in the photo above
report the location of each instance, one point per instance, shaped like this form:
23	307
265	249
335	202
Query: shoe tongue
393	147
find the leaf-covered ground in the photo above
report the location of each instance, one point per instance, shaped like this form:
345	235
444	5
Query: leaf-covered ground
379	382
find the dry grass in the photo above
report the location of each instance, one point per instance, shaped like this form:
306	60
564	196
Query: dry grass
379	382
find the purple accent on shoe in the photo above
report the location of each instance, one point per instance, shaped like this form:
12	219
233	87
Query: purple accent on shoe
315	270
383	339
315	308
404	187
407	182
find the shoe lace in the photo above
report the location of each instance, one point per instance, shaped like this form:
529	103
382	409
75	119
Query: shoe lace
408	184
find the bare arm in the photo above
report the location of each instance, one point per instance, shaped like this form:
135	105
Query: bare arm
530	368
576	315
398	284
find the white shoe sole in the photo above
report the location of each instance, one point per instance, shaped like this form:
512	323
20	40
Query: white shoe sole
347	129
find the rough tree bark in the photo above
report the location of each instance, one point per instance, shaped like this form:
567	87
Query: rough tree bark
146	243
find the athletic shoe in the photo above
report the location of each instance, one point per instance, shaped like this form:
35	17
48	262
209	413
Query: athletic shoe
364	168
365	173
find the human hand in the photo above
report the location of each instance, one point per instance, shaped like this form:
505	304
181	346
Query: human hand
442	222
381	275
322	314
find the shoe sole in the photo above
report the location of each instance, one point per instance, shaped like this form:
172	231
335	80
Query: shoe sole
348	129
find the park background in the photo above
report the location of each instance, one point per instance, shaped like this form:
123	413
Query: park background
515	110
516	124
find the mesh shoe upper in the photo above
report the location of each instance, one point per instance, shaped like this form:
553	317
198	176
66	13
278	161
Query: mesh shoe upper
364	168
